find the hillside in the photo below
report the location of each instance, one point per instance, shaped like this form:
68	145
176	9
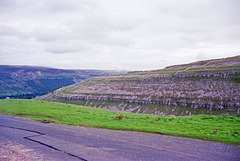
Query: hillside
204	87
221	128
29	81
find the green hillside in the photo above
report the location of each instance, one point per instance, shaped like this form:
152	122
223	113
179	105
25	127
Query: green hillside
28	81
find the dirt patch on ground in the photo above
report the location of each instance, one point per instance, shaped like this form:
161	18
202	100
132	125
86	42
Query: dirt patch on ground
10	151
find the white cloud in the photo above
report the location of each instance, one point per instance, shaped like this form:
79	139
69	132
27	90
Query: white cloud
107	34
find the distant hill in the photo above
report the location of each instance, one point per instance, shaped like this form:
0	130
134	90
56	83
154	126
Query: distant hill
31	81
203	87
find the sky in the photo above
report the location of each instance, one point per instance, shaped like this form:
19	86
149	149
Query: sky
131	35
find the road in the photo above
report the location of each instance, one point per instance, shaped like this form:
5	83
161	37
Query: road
49	141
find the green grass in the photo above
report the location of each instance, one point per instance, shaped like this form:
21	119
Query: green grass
235	78
221	128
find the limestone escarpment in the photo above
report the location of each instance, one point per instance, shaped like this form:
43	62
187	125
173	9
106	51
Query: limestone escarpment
213	86
195	93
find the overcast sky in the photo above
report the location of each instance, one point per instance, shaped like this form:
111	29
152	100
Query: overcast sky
117	34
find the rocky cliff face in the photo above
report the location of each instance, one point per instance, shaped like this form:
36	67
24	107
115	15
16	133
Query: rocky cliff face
211	86
195	93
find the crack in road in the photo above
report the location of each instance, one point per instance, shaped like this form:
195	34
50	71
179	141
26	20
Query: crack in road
102	144
42	134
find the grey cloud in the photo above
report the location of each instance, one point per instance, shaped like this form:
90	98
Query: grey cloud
64	47
51	34
106	34
5	30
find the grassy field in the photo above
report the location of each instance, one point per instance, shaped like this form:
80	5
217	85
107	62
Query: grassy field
221	128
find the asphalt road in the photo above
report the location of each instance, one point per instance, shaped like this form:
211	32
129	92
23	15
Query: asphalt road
61	142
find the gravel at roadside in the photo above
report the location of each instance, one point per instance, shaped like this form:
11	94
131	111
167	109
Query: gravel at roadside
10	151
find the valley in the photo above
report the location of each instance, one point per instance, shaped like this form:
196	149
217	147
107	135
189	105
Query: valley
32	81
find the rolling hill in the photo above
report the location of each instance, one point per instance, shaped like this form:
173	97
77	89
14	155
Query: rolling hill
204	87
31	81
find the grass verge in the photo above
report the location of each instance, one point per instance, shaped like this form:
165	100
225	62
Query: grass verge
221	128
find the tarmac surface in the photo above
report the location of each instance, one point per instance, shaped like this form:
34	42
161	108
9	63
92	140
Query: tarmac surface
31	140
